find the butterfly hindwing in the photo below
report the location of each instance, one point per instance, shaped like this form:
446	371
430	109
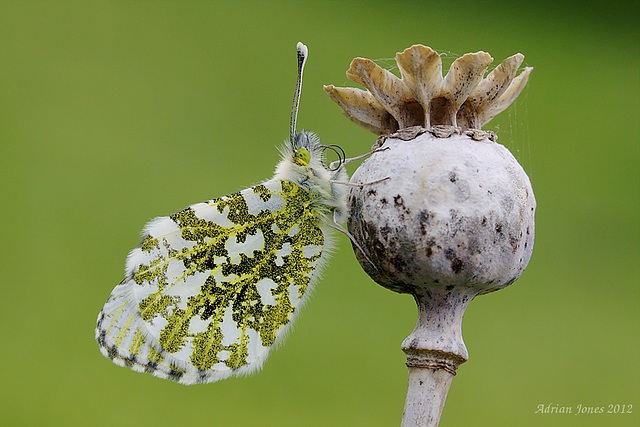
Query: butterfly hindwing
212	288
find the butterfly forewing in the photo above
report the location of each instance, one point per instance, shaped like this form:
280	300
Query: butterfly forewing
210	289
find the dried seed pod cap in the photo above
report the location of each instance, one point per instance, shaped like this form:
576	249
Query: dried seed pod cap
423	97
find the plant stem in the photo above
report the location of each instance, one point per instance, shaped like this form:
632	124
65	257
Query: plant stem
434	351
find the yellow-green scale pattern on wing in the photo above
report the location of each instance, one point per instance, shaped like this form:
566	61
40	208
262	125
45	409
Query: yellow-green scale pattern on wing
214	285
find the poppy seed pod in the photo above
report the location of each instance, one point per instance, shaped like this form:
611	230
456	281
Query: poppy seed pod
456	212
454	217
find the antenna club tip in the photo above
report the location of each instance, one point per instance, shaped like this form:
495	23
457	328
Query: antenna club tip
302	49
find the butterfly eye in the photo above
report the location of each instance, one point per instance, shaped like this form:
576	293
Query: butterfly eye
335	165
302	157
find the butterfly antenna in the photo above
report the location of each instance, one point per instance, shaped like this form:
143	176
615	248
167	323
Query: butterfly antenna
303	52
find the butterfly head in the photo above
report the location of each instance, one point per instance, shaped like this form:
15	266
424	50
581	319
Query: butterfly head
309	152
302	157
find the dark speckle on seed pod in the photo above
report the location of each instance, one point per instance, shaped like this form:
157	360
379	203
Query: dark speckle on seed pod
423	218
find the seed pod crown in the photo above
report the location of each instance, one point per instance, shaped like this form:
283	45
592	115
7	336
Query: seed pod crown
423	97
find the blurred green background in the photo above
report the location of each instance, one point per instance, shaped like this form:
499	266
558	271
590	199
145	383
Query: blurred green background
115	112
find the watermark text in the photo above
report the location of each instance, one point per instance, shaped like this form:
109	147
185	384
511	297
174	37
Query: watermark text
580	409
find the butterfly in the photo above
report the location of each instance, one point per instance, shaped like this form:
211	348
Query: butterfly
213	288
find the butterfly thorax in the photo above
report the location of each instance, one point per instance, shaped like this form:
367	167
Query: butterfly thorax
305	167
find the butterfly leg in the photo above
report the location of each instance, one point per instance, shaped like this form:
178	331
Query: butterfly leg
352	184
335	164
341	229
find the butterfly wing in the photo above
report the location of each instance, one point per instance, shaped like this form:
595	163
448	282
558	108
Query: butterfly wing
212	288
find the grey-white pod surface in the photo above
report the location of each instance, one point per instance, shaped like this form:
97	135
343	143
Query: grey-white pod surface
457	212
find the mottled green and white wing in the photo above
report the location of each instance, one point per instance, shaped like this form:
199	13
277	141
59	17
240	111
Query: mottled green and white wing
212	288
